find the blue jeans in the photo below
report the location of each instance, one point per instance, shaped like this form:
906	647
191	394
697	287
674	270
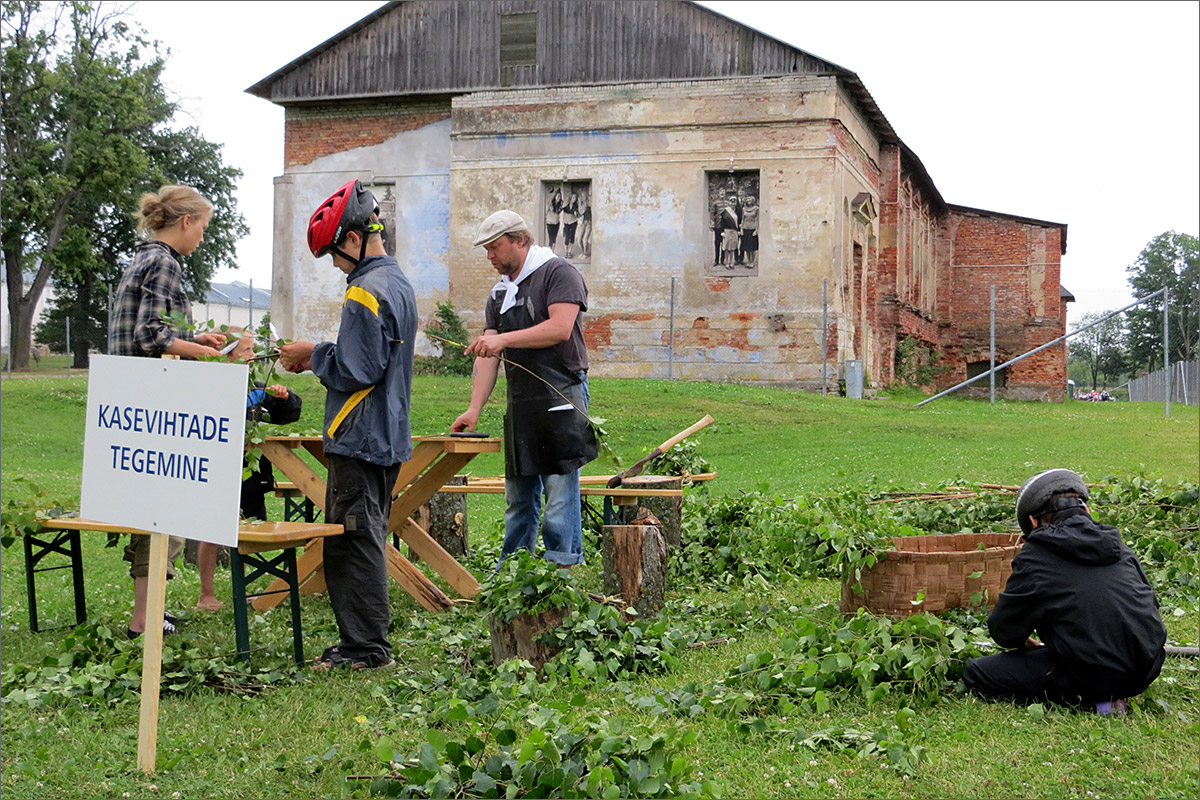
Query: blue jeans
562	523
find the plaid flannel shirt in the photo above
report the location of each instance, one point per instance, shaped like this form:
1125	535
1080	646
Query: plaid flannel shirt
152	284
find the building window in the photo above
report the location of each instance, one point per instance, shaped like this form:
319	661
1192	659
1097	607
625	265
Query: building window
567	219
734	215
518	48
975	368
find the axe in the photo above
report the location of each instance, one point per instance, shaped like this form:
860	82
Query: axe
636	469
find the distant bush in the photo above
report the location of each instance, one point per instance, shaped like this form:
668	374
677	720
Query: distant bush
451	361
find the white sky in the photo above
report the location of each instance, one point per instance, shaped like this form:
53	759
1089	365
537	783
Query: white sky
1081	113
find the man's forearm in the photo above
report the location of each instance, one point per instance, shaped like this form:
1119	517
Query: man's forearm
483	380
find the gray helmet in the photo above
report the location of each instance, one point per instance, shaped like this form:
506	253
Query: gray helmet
1035	496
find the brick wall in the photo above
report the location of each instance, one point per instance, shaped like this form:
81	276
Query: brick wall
1021	259
311	132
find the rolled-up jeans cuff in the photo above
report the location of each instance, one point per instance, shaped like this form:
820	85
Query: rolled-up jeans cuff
563	558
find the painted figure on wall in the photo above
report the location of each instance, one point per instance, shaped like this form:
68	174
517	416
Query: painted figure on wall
733	223
568	218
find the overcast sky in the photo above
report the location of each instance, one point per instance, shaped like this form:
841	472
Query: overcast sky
1080	113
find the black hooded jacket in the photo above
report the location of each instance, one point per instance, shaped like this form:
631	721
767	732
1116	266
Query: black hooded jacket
1083	591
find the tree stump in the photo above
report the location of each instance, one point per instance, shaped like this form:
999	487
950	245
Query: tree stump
634	560
669	510
444	518
516	639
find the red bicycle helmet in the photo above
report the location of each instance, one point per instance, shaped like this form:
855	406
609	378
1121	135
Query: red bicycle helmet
348	209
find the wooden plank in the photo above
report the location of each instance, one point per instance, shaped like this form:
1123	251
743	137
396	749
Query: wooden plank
152	645
316	450
278	535
424	454
415	583
296	470
426	487
442	562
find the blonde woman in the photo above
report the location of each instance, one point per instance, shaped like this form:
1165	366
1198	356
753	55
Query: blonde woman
174	219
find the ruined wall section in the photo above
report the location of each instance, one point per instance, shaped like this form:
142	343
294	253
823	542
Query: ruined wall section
647	150
1022	259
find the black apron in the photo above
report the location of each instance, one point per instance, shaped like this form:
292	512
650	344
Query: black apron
537	440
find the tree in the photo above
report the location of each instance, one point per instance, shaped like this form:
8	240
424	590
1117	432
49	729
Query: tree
82	293
1101	349
85	133
1169	261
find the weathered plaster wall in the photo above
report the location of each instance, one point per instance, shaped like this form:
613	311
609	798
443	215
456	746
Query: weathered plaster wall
414	166
647	150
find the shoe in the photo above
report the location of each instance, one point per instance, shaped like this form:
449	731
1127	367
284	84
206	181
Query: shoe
1112	708
172	618
168	629
333	659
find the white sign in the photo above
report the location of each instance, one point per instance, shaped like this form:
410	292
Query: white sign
162	450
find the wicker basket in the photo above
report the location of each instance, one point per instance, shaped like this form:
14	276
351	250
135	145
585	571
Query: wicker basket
938	566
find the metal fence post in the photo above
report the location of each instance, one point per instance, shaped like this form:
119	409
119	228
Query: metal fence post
69	356
992	351
1167	351
671	336
824	334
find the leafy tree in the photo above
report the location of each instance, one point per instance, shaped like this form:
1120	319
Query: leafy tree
1101	349
85	134
84	284
1169	260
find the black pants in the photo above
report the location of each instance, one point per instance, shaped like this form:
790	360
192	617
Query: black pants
358	496
1040	675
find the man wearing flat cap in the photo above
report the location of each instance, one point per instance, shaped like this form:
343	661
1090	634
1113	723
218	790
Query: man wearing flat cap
533	317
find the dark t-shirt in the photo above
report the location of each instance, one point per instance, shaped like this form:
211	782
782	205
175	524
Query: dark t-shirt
556	281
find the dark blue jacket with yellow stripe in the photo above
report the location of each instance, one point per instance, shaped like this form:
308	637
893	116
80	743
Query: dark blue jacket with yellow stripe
367	373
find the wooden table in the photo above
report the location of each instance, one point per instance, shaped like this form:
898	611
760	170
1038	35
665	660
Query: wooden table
435	460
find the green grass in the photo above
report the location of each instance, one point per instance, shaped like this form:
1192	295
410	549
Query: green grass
291	741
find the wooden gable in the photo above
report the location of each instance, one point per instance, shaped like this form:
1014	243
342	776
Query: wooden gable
447	47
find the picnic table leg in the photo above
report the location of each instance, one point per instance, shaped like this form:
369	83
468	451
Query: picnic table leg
314	557
241	627
30	590
77	578
297	639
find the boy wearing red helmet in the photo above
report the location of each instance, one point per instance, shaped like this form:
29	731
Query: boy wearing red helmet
1083	591
367	374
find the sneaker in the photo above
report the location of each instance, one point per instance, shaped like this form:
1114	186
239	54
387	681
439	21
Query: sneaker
168	629
172	618
1112	708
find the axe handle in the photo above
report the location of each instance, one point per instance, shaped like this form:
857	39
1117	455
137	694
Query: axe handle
636	469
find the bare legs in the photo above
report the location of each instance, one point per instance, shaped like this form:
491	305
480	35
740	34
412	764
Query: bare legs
206	560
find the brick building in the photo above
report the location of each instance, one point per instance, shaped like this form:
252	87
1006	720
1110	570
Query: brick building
733	202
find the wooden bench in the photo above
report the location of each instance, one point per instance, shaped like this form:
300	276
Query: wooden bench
256	541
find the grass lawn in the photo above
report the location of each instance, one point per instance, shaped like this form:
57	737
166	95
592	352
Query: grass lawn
319	735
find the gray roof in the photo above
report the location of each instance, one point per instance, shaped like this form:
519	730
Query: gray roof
237	294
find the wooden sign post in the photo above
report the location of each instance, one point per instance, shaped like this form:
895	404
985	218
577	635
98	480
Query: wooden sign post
152	647
162	453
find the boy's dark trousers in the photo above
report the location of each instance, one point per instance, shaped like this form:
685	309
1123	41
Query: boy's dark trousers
358	496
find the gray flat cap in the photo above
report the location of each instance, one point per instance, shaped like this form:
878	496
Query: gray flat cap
1037	492
497	225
